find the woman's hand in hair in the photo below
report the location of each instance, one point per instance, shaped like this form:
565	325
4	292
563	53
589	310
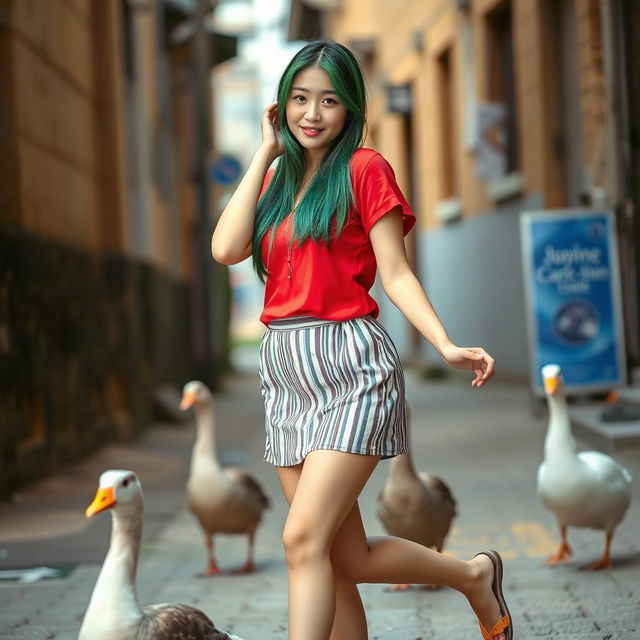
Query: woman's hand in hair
232	239
271	137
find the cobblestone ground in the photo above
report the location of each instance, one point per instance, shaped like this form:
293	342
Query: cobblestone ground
482	442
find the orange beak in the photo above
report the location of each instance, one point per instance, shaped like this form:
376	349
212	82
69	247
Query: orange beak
188	400
105	499
550	385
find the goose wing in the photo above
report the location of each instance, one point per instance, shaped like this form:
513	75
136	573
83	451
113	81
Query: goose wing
606	469
423	514
179	622
250	485
441	488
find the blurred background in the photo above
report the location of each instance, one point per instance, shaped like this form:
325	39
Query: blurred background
126	124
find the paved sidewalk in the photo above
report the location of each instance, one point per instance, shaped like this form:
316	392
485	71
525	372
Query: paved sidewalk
482	442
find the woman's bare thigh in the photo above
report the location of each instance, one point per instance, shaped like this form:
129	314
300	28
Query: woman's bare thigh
289	478
349	545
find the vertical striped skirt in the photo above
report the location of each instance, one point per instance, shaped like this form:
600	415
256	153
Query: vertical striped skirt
335	385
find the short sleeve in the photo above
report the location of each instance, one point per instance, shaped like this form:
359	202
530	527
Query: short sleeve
376	193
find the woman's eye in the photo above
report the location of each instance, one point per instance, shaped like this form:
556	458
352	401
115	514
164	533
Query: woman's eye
298	98
330	101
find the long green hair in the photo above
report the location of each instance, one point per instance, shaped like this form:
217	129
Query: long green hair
329	195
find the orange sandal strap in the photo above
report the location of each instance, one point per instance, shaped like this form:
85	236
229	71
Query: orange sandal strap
498	627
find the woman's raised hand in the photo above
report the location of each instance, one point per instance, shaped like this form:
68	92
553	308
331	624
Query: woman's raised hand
471	358
271	137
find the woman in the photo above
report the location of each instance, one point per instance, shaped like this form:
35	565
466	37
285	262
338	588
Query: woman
317	227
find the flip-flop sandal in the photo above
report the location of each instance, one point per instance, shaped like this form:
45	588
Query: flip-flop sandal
504	624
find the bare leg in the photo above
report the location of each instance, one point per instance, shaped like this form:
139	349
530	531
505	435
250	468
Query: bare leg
328	487
394	560
563	554
424	587
324	503
349	622
432	587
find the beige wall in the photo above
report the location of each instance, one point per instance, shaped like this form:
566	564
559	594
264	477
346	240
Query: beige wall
182	113
156	209
53	107
592	88
52	144
67	174
94	269
410	36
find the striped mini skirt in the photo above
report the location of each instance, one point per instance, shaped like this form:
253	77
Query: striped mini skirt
335	385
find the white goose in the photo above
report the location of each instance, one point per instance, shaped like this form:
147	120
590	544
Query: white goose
223	500
588	489
416	506
114	612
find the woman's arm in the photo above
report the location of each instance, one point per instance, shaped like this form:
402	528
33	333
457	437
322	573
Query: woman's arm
233	235
404	290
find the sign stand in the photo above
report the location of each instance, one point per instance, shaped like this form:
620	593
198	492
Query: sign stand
573	298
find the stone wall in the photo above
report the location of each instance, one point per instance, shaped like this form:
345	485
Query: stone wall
84	340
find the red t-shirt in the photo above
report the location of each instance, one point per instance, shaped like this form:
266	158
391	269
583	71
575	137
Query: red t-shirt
331	281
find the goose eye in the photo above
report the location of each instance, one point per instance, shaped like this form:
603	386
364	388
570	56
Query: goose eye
126	482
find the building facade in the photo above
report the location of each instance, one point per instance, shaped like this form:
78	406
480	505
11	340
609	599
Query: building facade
100	230
485	109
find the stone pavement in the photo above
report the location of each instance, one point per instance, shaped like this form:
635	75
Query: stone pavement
484	443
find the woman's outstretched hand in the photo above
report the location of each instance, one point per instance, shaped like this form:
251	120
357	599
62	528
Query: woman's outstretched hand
271	138
470	358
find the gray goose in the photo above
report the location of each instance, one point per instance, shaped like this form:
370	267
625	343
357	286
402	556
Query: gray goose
415	506
223	500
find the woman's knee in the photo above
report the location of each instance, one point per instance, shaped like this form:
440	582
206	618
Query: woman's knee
302	542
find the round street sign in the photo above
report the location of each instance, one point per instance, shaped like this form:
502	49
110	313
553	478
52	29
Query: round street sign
225	169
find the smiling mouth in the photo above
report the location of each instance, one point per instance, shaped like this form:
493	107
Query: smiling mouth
311	131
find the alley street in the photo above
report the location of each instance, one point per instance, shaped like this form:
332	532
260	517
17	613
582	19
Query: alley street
484	443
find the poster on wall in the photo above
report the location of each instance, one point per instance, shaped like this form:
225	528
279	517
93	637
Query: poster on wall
491	150
572	295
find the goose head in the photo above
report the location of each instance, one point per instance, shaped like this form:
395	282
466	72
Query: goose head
552	380
119	491
195	393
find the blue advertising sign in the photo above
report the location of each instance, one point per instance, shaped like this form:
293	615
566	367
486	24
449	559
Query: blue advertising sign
572	288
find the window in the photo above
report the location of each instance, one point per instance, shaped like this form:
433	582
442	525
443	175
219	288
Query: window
501	77
447	117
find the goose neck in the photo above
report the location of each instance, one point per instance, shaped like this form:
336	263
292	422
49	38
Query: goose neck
116	584
205	429
402	466
559	437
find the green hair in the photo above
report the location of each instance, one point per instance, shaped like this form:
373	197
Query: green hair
329	195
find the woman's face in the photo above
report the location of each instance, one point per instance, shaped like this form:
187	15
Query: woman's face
314	112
